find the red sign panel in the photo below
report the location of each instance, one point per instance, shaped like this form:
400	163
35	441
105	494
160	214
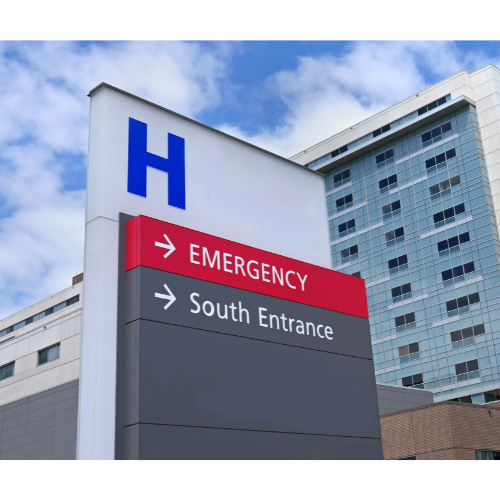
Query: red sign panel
176	249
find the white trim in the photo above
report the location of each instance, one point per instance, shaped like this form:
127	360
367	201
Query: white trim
343	266
407	301
336	190
357	233
377	282
469	282
408	184
387	370
448	226
348	210
384	339
446	321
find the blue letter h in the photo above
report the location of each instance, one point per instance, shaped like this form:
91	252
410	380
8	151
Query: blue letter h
139	160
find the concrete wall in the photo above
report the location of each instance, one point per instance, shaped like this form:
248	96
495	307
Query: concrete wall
41	426
393	398
22	346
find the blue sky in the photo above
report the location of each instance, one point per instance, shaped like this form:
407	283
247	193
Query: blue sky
283	96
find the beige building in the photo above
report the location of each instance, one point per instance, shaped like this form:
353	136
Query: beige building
39	371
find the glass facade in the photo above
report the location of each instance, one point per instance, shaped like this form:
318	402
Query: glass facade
415	218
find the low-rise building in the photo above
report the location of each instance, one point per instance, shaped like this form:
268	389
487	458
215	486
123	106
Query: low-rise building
448	430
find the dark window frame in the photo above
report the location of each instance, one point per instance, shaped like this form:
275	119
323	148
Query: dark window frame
41	352
6	368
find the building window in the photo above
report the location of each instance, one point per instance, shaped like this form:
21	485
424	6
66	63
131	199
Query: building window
436	133
465	337
385	158
443	188
405	321
347	227
342	178
412	457
394	237
382	130
451	244
467	370
457	273
392	209
49	354
432	105
409	352
388	183
402	292
487	455
461	305
349	253
357	274
40	315
448	215
344	202
7	371
398	264
439	161
339	151
414	381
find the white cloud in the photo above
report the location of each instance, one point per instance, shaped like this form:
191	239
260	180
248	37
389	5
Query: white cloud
44	121
324	95
44	125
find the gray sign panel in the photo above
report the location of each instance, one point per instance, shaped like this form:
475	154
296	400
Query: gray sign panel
210	306
207	373
165	442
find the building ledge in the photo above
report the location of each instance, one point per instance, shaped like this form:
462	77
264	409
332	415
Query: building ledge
393	134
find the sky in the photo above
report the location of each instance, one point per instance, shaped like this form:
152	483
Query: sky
282	96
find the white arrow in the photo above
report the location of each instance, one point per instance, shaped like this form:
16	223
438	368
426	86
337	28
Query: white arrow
170	297
169	246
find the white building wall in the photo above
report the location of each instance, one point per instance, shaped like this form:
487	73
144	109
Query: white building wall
22	346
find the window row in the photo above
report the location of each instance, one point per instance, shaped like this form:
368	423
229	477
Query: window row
381	130
458	271
389	182
440	158
349	252
401	291
441	189
405	319
454	241
436	132
40	315
409	352
448	213
350	226
386	155
467	333
344	202
465	301
464	371
432	105
342	178
44	356
398	263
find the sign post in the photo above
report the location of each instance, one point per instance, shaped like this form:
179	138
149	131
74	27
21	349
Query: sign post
221	333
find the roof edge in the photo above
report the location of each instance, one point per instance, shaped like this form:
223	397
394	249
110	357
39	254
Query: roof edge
413	96
124	92
439	403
